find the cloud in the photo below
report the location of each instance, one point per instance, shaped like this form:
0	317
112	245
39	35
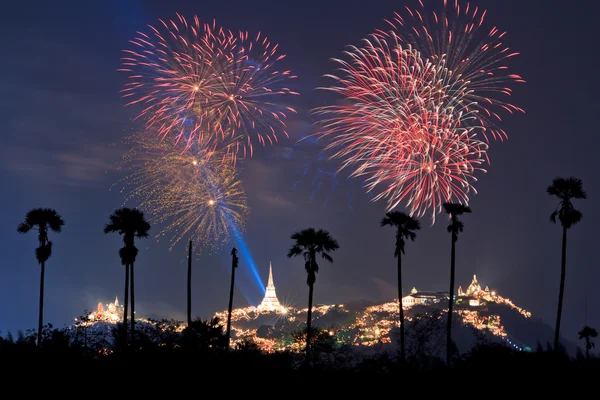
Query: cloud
275	200
75	168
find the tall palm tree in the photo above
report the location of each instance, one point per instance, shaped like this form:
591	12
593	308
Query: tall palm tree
587	333
565	189
42	219
131	224
310	243
455	227
405	229
234	265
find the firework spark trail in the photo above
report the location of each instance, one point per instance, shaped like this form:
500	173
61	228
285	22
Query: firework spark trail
199	82
192	193
457	38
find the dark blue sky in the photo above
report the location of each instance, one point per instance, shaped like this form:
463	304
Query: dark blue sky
62	122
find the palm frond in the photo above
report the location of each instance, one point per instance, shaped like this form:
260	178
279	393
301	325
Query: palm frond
23	228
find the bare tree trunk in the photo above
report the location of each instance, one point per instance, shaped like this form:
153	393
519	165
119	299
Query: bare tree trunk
125	306
231	289
41	313
189	286
450	303
132	311
401	310
563	269
309	322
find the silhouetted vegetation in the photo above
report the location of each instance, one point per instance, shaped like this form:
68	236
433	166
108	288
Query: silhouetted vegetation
566	189
456	226
42	219
162	346
405	229
234	265
310	243
131	224
587	333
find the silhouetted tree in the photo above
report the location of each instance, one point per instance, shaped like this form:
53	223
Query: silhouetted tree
565	189
321	340
234	265
405	229
42	219
425	338
456	226
587	333
310	243
204	335
131	224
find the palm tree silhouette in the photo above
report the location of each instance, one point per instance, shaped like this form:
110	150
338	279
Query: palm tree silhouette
456	226
131	224
234	265
310	243
42	219
565	189
587	333
405	229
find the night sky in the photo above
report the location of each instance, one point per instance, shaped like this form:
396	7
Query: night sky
62	122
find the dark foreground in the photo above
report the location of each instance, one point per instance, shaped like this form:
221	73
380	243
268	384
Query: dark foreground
203	365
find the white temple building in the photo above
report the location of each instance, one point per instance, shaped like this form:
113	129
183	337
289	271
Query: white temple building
270	303
112	313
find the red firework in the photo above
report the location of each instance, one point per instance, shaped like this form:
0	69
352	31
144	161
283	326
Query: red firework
420	102
456	37
432	165
404	126
200	82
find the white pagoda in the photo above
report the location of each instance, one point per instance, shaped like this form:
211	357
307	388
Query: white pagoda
270	303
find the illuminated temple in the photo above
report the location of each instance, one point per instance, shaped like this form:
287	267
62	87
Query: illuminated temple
112	313
270	303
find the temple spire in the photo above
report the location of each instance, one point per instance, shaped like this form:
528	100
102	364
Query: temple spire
270	282
270	303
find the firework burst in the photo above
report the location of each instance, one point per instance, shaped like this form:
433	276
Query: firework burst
417	108
434	164
456	37
404	126
192	193
201	83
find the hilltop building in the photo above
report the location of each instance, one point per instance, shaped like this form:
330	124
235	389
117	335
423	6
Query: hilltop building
270	303
112	313
475	294
416	298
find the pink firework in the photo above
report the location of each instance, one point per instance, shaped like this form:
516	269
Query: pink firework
404	126
200	82
456	36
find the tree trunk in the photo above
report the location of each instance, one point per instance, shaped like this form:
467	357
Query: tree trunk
450	303
41	314
563	268
401	310
230	303
125	306
189	286
587	348
309	322
132	311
